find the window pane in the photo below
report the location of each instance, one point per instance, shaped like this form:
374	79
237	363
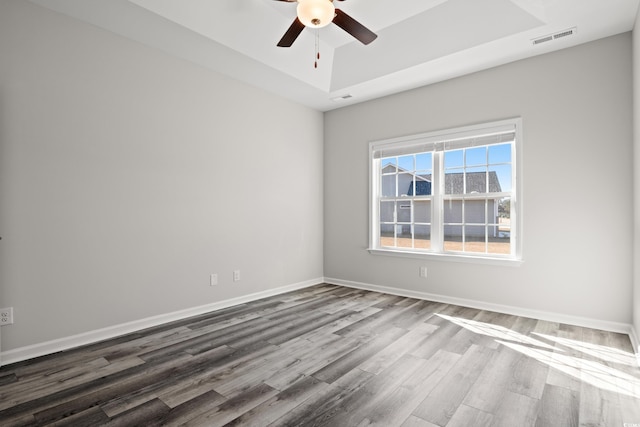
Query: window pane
476	180
504	211
476	156
423	187
422	211
389	185
404	211
504	223
492	211
500	178
453	159
387	235
422	236
453	238
502	243
453	211
474	212
386	211
500	154
454	181
424	162
389	164
405	184
404	236
474	237
406	163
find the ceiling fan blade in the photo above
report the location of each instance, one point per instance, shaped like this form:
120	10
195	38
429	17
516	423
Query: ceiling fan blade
353	27
292	34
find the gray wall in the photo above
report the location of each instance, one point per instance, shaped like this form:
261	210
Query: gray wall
636	169
576	109
128	176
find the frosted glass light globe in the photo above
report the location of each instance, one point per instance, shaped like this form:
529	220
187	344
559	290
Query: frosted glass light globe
315	13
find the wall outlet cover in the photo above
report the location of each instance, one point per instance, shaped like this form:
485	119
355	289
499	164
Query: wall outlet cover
6	316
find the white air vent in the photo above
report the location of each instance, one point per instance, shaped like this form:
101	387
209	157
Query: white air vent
565	33
551	37
542	40
342	98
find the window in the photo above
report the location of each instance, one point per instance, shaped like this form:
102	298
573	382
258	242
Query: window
448	193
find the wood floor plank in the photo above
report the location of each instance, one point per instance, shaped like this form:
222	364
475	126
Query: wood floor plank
259	373
517	410
89	418
191	409
342	323
65	378
280	404
306	325
334	356
591	410
429	345
466	416
312	359
45	395
144	414
413	421
494	381
395	407
350	406
405	344
234	407
444	400
558	403
376	401
344	364
529	377
317	408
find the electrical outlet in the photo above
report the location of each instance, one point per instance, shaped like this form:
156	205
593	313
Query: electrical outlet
213	279
423	272
6	316
236	275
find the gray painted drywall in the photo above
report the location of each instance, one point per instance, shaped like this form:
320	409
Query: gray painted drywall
128	176
576	110
636	169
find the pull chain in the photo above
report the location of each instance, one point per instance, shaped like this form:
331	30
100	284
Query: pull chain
317	52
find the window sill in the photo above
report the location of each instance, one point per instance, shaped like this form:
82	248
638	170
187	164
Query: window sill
473	259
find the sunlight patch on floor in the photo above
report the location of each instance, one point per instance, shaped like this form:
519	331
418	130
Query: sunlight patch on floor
597	373
495	331
606	353
594	373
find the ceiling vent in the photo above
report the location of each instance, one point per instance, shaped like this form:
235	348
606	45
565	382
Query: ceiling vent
342	98
551	37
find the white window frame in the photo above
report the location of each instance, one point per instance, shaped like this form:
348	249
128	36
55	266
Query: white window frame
412	144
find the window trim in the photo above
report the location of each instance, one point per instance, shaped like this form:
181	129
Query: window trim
411	143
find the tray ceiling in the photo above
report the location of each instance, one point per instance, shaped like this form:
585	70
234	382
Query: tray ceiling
419	41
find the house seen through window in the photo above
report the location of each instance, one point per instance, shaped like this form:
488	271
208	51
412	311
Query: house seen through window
451	192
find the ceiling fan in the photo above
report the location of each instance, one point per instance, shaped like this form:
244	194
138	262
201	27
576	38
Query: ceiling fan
319	13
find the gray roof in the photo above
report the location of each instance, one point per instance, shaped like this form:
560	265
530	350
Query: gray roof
476	182
454	182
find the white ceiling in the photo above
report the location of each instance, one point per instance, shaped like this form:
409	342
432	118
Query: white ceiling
419	41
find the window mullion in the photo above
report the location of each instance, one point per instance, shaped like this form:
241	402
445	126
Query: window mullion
437	208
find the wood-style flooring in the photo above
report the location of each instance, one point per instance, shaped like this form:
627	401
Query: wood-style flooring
335	356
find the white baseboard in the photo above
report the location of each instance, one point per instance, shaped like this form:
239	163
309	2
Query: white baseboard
54	346
635	342
516	311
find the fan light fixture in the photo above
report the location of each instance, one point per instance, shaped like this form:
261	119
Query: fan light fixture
316	13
